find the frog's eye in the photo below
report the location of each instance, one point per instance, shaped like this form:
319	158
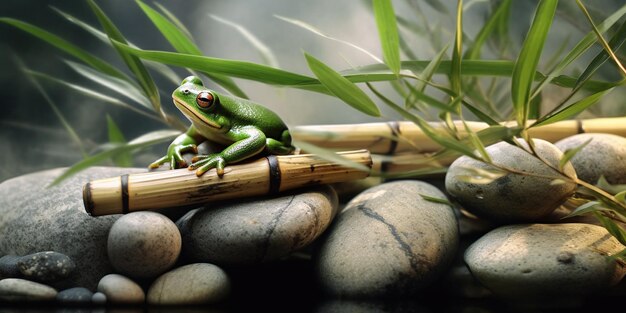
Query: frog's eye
204	99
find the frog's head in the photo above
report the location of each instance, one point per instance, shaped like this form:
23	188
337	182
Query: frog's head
196	102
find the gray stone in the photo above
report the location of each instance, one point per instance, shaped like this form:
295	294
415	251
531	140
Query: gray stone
36	218
77	295
8	267
257	230
512	197
388	241
604	155
99	298
546	263
121	289
143	244
17	289
46	267
198	283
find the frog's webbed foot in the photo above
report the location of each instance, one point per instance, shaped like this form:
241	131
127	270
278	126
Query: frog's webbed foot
203	163
174	157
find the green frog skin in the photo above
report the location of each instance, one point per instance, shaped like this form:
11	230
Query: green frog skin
243	127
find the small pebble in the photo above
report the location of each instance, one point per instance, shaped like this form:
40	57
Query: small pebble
120	289
198	283
47	267
76	295
143	244
8	267
99	298
17	289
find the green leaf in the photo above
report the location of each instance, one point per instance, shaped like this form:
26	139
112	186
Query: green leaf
571	110
590	206
341	87
264	50
615	43
528	59
67	47
570	153
116	136
320	33
457	52
428	72
610	188
142	141
133	63
388	33
621	196
473	52
173	19
612	227
183	44
582	46
93	94
436	200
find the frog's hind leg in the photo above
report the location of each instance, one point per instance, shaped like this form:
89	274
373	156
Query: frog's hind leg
281	147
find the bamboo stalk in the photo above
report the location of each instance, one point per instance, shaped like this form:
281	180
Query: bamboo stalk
176	188
379	137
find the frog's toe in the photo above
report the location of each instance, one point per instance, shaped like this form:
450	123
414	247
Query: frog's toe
203	169
199	158
157	163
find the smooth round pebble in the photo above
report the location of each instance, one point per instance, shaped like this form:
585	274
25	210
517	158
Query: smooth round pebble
198	283
388	241
47	266
99	298
604	155
143	244
76	295
17	289
257	230
512	197
8	267
120	289
545	262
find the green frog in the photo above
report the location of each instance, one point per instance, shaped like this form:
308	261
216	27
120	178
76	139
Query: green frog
245	129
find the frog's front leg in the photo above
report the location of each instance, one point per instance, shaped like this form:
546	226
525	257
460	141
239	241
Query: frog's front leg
249	141
187	141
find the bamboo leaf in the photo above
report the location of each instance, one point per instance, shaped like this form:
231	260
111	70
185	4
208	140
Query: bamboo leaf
341	87
572	109
173	19
320	33
528	59
133	63
582	46
122	87
615	43
570	153
435	199
388	33
116	136
183	43
612	227
457	52
142	141
430	70
67	47
588	207
611	188
264	50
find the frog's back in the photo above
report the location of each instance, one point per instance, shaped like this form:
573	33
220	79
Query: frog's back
244	112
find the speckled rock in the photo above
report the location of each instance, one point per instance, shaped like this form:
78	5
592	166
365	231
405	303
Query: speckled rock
512	197
198	283
46	267
388	241
543	263
8	267
143	244
604	155
36	218
17	289
77	295
120	289
257	230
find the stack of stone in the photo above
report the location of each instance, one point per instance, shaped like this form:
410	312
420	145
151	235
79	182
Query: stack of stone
400	240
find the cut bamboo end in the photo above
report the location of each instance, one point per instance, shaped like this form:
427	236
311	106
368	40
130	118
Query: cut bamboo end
401	137
179	188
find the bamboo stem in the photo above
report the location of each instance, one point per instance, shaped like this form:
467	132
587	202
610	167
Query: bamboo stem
400	137
176	188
